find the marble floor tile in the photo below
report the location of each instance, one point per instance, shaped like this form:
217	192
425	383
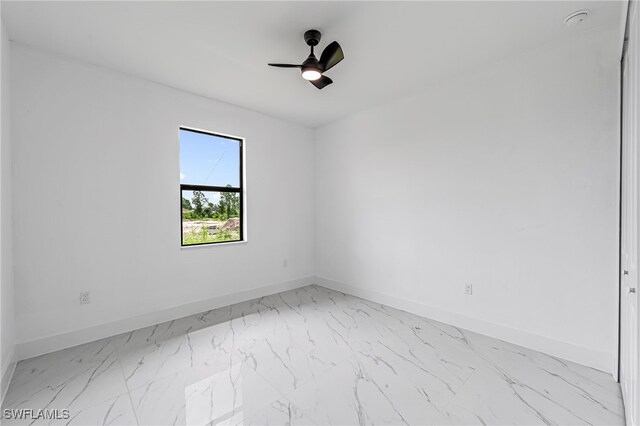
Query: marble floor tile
491	397
155	352
285	358
201	396
360	394
114	412
72	379
280	412
310	356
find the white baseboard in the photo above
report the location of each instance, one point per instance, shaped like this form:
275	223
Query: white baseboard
8	367
44	345
586	356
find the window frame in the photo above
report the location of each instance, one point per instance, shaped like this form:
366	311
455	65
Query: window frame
239	190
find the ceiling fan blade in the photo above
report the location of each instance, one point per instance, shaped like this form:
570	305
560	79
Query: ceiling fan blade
322	82
331	55
285	65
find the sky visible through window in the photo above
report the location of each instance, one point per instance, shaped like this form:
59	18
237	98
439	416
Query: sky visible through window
208	160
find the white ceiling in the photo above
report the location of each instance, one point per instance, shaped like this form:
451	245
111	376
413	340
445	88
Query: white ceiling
221	49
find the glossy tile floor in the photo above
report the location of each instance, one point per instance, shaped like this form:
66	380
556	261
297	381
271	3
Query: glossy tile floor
311	356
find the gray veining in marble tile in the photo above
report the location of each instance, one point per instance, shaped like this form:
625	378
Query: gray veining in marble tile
310	356
113	412
280	412
72	379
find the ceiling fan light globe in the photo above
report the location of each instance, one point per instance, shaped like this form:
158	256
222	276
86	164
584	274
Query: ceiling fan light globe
311	74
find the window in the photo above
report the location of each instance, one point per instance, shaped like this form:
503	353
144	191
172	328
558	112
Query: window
211	197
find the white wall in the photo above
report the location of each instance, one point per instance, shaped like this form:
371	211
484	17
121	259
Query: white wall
7	324
506	179
96	202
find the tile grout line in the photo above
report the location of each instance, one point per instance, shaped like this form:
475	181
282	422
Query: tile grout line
286	395
277	389
445	408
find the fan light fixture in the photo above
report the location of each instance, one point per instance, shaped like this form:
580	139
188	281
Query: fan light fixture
311	74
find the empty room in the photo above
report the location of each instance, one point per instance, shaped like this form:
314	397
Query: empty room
319	212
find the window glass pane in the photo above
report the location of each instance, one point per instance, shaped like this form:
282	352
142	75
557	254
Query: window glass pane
210	217
209	160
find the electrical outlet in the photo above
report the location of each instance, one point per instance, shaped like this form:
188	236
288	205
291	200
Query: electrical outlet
85	297
284	263
468	289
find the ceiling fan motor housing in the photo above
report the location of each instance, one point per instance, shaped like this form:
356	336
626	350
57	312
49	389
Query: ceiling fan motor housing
312	37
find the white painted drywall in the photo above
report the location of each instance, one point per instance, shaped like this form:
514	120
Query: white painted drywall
506	179
7	323
96	201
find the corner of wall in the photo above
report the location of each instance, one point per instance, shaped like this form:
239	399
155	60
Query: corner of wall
7	298
314	239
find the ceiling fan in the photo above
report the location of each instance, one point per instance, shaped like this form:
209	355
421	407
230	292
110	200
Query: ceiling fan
312	68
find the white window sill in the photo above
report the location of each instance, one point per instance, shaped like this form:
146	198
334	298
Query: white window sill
196	246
